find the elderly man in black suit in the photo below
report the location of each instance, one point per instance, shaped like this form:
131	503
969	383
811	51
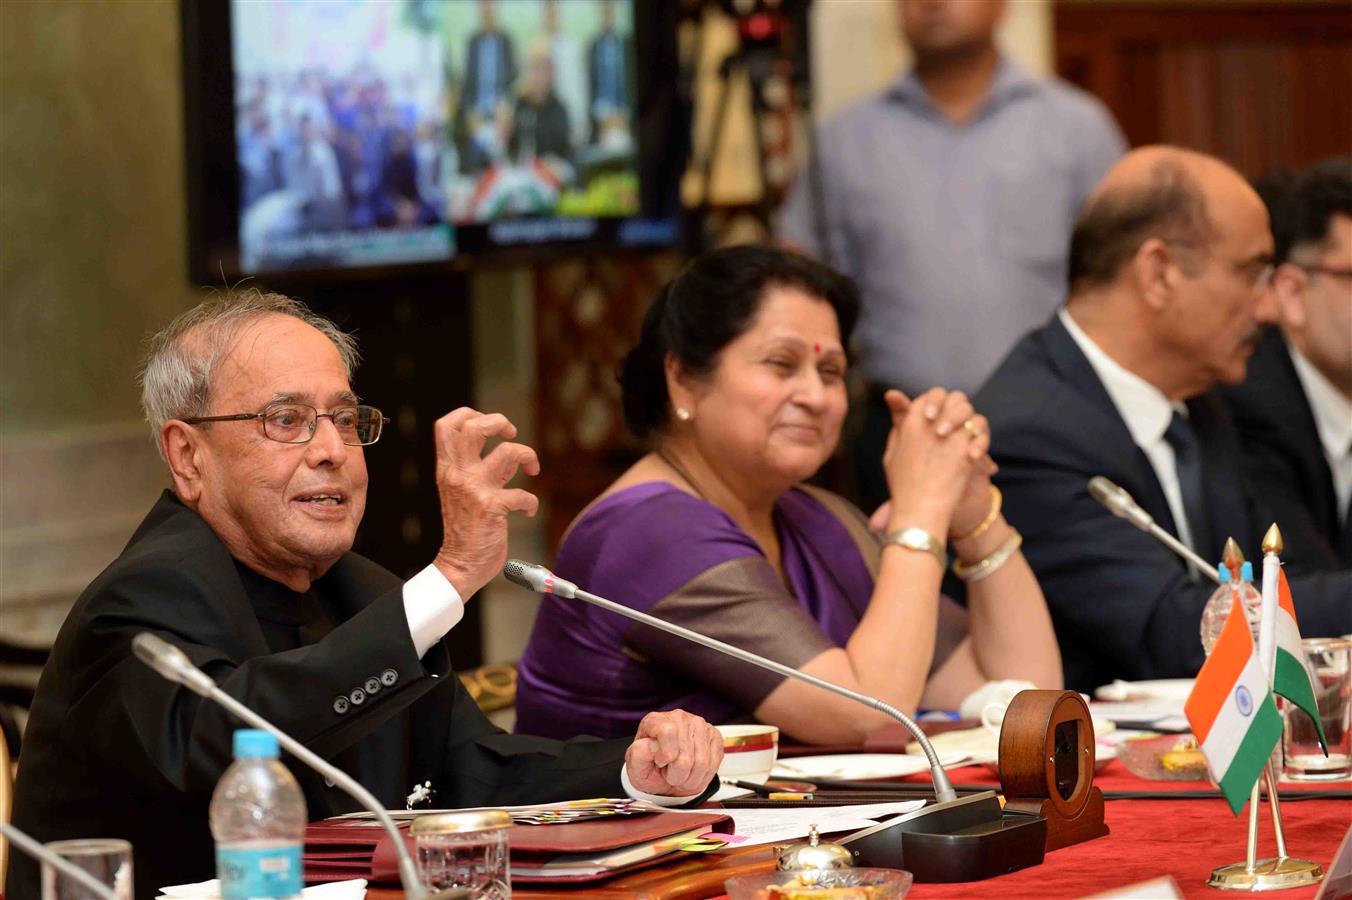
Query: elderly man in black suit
245	564
1294	411
1169	263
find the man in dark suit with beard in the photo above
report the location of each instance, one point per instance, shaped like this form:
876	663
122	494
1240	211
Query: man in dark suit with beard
1294	410
245	564
1168	270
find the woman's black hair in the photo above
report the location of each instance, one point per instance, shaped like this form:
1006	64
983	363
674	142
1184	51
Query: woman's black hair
709	304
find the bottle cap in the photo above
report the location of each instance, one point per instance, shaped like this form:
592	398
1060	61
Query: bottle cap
1223	573
251	743
1246	572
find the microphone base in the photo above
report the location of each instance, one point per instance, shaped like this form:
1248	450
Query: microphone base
968	839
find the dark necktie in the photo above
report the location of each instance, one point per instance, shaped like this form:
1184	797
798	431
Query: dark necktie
1188	465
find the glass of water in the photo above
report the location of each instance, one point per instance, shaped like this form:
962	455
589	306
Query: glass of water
465	850
107	860
1330	663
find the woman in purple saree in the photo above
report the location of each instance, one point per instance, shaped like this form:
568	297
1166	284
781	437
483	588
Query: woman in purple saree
738	381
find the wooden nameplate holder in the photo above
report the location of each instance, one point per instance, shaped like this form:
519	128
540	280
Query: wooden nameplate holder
1047	765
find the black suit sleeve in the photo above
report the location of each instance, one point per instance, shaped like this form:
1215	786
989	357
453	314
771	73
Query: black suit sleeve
1111	588
1282	496
166	733
486	766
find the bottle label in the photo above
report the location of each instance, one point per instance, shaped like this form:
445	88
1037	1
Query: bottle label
248	872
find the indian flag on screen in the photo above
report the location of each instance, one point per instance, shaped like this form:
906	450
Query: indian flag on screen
1232	712
1290	675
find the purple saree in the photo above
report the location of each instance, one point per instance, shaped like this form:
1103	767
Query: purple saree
663	551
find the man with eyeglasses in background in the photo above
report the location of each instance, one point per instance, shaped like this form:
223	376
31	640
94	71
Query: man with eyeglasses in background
1294	410
1169	264
245	565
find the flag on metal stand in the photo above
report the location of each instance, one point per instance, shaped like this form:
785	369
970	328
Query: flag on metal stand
1232	712
1290	675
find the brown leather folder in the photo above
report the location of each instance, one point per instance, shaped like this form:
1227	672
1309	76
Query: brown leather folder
337	849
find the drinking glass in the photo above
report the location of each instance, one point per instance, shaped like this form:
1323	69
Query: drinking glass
1330	662
108	860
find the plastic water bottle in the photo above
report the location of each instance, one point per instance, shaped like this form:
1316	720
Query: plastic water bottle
258	821
1222	601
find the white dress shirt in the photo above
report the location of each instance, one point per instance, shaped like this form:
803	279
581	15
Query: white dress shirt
433	607
1147	413
1333	420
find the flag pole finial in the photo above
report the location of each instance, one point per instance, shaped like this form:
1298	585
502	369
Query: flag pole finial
1232	557
1272	541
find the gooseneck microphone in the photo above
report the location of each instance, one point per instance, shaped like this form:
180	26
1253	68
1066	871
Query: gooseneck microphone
538	578
66	867
174	665
1121	504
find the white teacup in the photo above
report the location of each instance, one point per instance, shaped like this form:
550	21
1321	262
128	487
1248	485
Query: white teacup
993	716
749	751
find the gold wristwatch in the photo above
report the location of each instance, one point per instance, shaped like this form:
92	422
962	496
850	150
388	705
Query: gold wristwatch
915	538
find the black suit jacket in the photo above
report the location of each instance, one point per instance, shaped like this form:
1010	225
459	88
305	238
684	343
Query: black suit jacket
594	77
1284	459
472	158
1122	603
114	750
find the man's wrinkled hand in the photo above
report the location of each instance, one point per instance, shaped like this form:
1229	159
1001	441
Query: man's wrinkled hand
674	754
475	499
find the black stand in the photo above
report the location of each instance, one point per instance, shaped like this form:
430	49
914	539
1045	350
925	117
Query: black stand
968	839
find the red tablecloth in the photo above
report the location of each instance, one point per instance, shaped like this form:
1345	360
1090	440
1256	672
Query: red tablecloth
1152	838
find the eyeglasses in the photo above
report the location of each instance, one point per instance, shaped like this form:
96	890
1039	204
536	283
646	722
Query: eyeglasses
1260	280
295	423
1331	271
1263	279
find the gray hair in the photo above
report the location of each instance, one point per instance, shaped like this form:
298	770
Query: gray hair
181	361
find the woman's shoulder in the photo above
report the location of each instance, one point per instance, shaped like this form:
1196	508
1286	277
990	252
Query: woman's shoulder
651	510
651	532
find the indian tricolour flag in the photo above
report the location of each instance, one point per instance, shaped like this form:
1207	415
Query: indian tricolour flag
1232	712
1290	675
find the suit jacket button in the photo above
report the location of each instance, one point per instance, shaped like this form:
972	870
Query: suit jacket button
372	685
358	696
340	705
389	677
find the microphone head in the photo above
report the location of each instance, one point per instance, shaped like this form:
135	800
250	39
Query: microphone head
1119	502
172	663
537	578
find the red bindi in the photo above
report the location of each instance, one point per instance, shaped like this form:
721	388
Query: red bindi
816	348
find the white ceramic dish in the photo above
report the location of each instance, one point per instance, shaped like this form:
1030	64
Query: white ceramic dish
1172	690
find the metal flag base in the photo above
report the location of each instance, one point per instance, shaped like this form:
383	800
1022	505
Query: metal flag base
1267	875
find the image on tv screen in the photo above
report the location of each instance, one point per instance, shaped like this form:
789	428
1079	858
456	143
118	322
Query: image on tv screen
368	131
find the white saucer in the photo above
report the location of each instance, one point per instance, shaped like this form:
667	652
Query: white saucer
859	766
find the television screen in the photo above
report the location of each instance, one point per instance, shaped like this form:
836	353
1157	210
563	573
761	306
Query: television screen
380	132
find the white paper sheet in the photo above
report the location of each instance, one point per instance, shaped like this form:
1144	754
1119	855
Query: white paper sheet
767	826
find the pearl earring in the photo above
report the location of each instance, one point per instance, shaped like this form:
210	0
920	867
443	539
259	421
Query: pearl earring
683	414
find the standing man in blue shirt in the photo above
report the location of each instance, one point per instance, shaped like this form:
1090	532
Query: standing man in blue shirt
949	197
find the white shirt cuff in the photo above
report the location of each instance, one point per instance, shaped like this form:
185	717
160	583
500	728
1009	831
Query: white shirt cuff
433	607
658	799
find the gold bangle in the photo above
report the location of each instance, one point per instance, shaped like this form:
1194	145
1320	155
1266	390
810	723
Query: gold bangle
987	567
997	499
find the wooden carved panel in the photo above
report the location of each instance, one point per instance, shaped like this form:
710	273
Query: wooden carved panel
1261	85
588	312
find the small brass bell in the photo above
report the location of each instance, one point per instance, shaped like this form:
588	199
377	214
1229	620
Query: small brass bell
815	854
